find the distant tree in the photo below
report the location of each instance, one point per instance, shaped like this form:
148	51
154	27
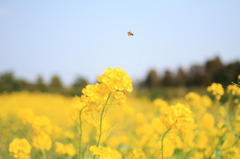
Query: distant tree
152	80
55	85
232	70
181	77
215	69
22	84
207	79
168	78
40	85
7	82
195	76
78	85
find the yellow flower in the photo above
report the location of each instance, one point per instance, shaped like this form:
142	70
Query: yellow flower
112	84
138	153
116	79
26	116
42	141
97	93
120	97
208	120
216	89
59	148
206	101
158	125
115	141
162	104
70	150
20	148
202	140
193	96
105	152
42	125
67	149
233	90
168	147
179	118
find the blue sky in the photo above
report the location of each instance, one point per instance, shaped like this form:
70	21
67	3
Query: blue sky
84	37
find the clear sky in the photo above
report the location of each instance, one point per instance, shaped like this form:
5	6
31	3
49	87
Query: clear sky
84	37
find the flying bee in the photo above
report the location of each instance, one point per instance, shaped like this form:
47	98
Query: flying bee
130	33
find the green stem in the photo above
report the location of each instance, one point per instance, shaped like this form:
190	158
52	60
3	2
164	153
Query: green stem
43	154
80	134
163	139
101	122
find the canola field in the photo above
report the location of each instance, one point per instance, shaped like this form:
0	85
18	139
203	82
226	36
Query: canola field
109	122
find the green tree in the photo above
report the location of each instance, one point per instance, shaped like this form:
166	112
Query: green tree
7	83
168	78
215	70
195	76
40	85
152	80
232	70
181	77
78	85
56	85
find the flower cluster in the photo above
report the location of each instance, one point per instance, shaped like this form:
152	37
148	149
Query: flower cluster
178	118
20	148
67	149
41	125
216	89
42	142
233	90
197	102
162	105
43	128
113	82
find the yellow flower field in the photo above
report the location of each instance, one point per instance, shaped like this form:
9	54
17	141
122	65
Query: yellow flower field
109	122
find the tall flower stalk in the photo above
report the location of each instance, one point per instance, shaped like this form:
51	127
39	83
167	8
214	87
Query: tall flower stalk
101	120
112	84
80	154
163	140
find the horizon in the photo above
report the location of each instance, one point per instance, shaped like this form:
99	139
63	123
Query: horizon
135	80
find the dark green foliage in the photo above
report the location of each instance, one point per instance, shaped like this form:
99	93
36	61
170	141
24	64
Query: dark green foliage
197	76
8	84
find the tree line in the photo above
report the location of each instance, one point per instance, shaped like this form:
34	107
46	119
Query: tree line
213	70
9	83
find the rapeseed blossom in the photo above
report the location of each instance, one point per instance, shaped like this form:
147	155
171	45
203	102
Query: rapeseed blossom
233	90
41	124
26	116
216	89
179	118
162	105
67	149
113	82
60	148
42	142
20	148
116	80
105	152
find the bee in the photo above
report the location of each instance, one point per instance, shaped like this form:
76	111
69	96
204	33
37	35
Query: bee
130	33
